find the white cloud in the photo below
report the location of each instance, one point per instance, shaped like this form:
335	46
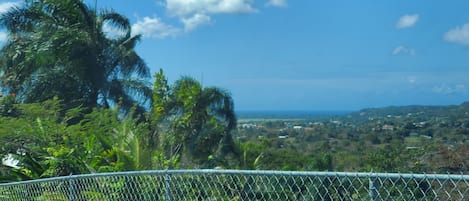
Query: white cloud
3	36
195	21
403	50
407	21
191	7
458	35
194	13
5	6
277	3
446	89
154	28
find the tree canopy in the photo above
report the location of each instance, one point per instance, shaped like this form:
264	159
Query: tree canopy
195	131
63	48
198	119
67	74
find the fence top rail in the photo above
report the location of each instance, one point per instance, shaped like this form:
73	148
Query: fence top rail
460	177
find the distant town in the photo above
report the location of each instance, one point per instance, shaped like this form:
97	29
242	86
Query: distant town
404	139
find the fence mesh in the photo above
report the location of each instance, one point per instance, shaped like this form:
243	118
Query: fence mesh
231	185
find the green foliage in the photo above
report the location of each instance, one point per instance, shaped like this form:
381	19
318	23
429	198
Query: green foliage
191	122
408	139
7	105
59	48
78	98
36	138
252	154
183	128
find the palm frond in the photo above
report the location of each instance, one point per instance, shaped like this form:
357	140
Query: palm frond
117	20
186	82
221	104
130	42
18	19
125	61
67	36
137	88
127	93
133	63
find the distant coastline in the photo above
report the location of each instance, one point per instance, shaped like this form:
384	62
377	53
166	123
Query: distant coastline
279	114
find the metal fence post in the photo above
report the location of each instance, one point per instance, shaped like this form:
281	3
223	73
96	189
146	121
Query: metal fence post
167	187
373	189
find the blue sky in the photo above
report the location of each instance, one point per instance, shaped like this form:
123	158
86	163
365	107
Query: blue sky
309	54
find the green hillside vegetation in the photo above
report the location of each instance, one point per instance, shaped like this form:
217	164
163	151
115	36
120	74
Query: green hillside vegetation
392	139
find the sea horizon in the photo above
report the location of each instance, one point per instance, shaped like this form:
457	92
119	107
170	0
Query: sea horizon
248	114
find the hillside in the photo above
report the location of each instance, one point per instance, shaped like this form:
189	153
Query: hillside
451	111
404	139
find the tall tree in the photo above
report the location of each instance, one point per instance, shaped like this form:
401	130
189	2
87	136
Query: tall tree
201	120
63	48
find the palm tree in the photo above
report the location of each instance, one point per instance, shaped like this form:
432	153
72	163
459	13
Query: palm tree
61	48
203	118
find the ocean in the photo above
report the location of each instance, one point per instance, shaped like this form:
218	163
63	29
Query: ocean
289	114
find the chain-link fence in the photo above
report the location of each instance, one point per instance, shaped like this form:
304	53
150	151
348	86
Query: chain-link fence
234	185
